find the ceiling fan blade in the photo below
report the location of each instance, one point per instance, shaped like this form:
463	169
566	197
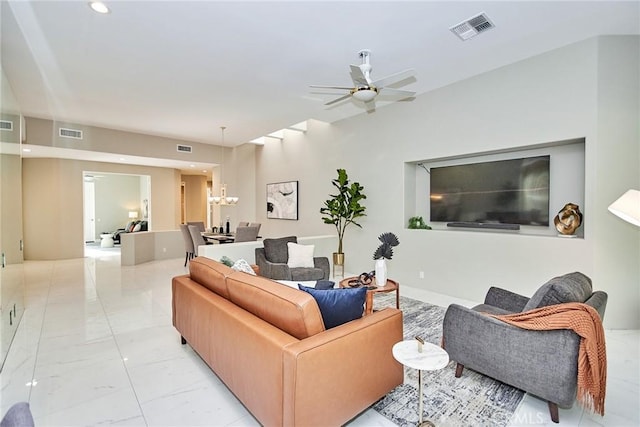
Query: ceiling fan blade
338	99
358	76
393	78
396	92
331	87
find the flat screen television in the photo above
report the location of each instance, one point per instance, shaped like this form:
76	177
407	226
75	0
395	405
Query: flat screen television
514	191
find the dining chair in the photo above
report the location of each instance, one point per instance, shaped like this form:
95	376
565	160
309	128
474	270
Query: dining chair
246	234
197	238
188	243
198	224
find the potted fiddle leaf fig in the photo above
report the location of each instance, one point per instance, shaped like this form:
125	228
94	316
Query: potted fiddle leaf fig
343	208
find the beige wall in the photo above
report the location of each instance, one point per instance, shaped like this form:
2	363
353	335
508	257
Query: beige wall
45	132
53	205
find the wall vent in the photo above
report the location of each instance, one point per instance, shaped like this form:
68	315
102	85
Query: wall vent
184	148
6	125
70	133
472	26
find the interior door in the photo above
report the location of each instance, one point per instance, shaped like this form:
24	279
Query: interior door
89	210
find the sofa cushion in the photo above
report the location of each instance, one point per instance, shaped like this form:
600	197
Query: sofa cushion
572	287
300	255
19	415
275	250
324	284
303	274
242	265
288	309
338	306
210	274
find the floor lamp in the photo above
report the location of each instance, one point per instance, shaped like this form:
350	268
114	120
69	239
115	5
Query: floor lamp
627	207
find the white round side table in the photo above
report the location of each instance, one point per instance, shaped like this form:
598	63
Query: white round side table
431	358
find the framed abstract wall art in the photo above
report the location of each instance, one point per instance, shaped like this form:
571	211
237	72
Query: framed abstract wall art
282	200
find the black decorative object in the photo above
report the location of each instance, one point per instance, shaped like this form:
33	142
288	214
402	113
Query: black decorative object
385	250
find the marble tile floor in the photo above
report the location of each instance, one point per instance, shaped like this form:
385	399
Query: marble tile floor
96	347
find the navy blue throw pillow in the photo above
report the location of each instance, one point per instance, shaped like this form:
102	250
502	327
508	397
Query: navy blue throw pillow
338	306
324	284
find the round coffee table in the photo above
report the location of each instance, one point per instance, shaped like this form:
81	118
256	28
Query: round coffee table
390	286
431	358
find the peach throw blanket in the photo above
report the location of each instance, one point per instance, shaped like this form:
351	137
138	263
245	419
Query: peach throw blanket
585	321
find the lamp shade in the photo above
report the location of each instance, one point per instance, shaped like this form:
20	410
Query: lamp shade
133	214
627	207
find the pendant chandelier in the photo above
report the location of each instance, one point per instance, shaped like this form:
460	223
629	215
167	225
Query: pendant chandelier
223	199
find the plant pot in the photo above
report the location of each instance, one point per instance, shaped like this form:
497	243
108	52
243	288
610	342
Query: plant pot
338	258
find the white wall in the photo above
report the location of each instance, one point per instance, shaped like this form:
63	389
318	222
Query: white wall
115	196
587	90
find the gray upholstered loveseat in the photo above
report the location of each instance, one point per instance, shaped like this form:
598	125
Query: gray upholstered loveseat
543	363
272	261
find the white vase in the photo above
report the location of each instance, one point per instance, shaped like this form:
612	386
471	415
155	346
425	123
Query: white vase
381	272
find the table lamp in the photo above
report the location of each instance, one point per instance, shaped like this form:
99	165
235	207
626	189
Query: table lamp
627	207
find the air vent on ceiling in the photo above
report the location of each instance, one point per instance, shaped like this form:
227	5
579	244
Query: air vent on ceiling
472	26
184	148
6	125
70	133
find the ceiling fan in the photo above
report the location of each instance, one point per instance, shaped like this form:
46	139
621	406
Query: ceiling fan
365	89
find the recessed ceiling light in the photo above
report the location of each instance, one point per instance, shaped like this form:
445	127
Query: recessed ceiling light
99	7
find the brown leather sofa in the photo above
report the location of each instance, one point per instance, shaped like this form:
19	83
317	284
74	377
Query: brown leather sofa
267	343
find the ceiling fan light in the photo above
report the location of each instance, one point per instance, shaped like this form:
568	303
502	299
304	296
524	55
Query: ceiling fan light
365	94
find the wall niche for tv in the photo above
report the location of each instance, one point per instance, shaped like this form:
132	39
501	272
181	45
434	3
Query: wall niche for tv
516	191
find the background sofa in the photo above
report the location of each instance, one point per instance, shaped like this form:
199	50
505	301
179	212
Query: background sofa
543	363
131	227
274	256
267	342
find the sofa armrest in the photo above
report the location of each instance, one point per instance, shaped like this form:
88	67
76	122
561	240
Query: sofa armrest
354	360
505	299
543	363
323	264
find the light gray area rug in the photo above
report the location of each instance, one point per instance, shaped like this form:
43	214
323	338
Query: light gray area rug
471	400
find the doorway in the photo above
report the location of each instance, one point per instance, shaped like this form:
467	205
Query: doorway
112	201
89	209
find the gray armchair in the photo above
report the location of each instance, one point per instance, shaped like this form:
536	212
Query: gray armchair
542	363
272	260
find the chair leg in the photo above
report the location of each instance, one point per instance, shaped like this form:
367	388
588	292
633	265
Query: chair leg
186	258
459	368
553	411
182	340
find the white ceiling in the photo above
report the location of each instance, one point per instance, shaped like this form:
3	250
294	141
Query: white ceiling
182	69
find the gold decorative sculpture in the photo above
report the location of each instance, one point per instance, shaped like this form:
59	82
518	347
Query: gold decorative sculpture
568	219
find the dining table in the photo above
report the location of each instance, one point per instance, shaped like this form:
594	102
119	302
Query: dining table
219	237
